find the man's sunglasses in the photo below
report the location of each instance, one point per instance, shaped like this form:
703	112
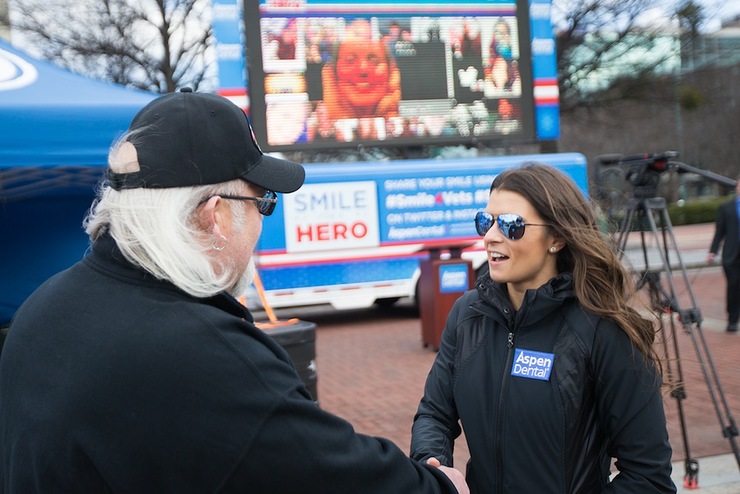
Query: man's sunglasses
265	204
511	225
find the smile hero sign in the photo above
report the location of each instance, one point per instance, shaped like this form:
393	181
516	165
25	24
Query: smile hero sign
332	216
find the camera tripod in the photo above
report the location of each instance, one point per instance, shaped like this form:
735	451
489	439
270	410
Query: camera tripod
651	211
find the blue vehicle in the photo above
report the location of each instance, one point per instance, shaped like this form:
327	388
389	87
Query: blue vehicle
456	73
355	233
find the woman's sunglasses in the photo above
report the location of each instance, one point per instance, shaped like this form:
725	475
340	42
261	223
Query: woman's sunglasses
511	225
265	204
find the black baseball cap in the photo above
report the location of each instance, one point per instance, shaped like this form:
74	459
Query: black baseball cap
186	139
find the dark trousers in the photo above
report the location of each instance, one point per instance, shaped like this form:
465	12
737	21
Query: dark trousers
732	273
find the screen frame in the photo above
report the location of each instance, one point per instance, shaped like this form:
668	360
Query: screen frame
256	75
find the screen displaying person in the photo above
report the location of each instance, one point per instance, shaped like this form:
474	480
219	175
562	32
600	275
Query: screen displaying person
363	80
502	78
501	42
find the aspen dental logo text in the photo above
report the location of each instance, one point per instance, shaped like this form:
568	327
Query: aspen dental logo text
532	365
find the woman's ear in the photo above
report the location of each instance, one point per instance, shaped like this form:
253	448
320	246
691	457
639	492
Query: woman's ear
558	242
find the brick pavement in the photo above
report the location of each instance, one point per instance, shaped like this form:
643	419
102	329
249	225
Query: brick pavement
372	365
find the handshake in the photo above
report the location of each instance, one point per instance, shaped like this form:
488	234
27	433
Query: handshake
455	476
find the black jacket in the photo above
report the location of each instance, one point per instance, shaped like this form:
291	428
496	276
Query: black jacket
726	231
543	432
112	381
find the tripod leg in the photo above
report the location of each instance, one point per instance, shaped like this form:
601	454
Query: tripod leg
624	230
691	466
691	477
691	320
647	209
660	305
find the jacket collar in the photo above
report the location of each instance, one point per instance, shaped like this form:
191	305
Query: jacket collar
107	256
537	304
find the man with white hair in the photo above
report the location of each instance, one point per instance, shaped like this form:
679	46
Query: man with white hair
136	369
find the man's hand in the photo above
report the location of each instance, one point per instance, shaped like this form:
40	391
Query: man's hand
457	478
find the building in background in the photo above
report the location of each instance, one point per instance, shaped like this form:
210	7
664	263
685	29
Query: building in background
716	49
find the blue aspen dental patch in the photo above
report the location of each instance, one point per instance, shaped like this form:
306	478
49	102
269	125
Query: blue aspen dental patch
532	365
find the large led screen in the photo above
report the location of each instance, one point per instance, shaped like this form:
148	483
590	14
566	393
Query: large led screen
330	74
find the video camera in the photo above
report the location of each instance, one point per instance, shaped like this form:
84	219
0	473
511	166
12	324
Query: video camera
643	170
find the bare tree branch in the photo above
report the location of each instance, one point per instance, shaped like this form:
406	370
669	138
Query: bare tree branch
155	45
594	36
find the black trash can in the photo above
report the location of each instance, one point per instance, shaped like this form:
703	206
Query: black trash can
298	338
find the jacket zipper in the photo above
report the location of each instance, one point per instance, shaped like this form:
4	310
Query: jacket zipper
502	399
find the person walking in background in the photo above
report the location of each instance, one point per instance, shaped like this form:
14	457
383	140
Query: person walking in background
727	235
137	370
545	365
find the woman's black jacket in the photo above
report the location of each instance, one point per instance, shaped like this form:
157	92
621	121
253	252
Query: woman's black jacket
546	396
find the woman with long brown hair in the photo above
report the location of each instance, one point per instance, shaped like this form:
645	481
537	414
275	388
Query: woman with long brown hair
545	366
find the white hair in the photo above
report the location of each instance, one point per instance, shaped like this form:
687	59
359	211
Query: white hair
157	230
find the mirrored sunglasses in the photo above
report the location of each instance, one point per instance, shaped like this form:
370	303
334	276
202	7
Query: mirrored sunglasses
510	225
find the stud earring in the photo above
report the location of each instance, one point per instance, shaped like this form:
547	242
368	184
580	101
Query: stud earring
553	249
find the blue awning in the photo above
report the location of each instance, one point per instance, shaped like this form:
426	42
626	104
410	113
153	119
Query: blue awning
55	131
54	122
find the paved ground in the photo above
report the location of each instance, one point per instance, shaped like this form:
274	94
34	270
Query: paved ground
372	366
